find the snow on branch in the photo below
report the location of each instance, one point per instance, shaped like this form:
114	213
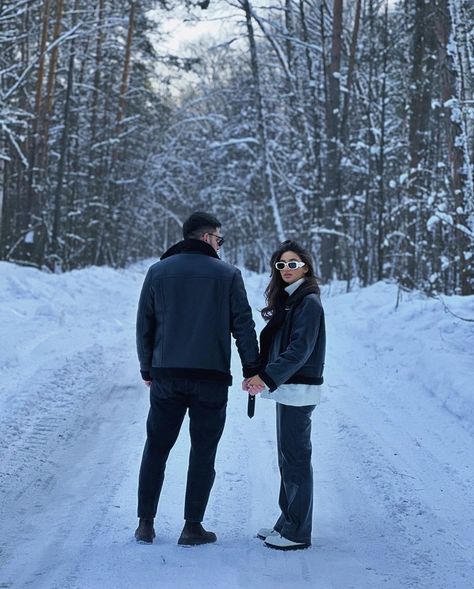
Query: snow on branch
322	230
447	220
30	68
7	131
240	140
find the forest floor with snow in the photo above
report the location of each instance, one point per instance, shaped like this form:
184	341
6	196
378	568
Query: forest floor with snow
392	447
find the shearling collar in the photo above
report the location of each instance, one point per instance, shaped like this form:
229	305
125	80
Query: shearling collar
191	246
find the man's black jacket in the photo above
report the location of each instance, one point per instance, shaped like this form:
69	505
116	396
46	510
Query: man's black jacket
191	302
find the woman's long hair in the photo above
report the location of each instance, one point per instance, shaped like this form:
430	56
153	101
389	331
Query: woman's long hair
275	294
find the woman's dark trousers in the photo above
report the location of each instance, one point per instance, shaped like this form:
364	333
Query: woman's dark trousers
296	472
170	398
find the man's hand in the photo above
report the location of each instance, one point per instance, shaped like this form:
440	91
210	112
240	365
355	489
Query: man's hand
253	385
147	383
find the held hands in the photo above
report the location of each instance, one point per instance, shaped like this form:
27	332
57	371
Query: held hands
253	385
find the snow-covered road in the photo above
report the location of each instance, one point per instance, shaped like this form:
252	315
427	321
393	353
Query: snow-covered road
393	448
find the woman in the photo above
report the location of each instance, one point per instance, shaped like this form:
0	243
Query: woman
292	347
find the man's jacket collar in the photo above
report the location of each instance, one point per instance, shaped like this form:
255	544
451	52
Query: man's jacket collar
191	246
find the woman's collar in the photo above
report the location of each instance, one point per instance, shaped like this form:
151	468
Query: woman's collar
290	289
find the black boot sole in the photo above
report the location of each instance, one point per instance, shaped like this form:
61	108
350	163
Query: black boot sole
140	541
196	541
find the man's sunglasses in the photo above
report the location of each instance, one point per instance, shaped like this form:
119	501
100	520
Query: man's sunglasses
220	240
291	265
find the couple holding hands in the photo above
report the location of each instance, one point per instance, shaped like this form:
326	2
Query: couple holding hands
190	304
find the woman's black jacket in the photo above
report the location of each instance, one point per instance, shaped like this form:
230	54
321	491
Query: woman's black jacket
293	343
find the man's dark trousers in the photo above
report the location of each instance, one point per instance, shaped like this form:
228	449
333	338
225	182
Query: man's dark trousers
170	398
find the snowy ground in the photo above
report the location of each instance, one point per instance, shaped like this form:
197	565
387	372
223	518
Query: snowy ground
392	439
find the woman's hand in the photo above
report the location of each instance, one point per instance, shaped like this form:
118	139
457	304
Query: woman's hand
253	385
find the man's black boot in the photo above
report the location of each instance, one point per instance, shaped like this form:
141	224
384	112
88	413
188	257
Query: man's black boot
145	531
193	534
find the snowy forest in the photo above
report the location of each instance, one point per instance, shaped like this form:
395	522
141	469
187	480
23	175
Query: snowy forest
348	125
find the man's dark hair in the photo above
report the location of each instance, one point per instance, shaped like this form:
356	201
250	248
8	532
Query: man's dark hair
199	223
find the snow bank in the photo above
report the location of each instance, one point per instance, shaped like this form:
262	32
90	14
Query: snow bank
417	341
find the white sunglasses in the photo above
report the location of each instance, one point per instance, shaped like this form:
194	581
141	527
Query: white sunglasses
291	265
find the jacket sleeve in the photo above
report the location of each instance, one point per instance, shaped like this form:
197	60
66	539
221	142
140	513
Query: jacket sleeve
243	327
303	337
146	324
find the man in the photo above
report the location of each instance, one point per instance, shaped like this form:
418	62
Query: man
191	302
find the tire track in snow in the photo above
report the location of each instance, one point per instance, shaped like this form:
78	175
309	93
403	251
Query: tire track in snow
69	515
54	464
45	419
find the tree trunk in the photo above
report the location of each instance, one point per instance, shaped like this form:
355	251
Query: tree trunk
456	142
33	199
267	179
64	142
312	84
350	72
419	115
126	64
98	68
3	220
370	204
48	107
381	162
332	184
